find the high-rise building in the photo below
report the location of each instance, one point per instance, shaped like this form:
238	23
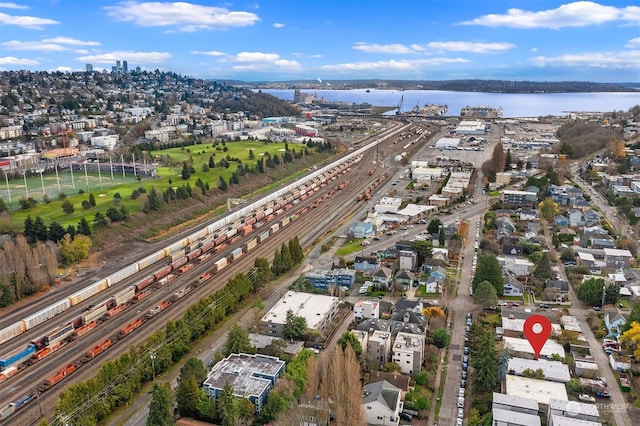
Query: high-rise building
88	68
125	67
118	66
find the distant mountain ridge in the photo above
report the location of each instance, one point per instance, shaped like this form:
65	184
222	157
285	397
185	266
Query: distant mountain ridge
484	86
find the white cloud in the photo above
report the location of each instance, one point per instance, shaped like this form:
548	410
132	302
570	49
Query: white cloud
12	6
396	48
183	16
602	60
253	61
278	25
71	41
33	45
391	66
464	46
12	60
63	69
208	53
29	22
132	57
576	14
634	43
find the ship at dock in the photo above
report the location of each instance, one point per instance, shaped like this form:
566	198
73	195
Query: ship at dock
481	112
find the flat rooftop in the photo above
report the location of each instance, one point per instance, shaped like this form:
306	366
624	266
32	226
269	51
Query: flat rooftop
553	370
522	345
313	307
574	408
241	371
514	418
515	401
568	421
540	390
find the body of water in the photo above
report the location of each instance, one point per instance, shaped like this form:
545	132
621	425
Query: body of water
513	105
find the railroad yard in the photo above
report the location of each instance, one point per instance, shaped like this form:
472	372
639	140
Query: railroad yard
65	338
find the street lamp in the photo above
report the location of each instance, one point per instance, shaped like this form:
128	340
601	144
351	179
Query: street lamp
153	365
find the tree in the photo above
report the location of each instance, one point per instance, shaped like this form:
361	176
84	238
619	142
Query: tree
186	171
543	268
548	209
590	292
222	186
40	230
441	237
488	269
424	249
92	200
237	341
56	232
188	396
434	226
193	367
100	220
634	316
83	227
485	294
441	338
228	406
294	326
67	207
632	338
432	312
285	254
295	250
160	406
74	250
348	338
485	363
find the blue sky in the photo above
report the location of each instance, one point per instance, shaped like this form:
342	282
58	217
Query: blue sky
275	40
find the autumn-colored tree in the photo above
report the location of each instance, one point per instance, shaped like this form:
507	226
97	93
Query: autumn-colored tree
432	312
548	209
632	337
76	249
494	164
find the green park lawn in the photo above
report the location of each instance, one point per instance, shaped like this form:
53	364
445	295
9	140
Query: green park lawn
104	186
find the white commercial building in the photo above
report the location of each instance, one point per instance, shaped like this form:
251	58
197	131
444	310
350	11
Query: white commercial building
107	142
388	205
554	371
318	310
447	143
468	127
541	390
573	410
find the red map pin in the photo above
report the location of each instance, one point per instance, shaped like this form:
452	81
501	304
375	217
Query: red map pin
537	330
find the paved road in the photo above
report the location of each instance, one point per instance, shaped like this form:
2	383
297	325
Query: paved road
458	306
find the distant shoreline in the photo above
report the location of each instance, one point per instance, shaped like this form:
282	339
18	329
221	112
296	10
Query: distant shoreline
481	86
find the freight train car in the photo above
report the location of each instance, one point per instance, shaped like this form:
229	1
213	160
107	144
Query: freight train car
87	292
94	313
44	314
58	334
235	254
17	356
7	411
11	331
123	274
220	264
8	373
144	283
152	259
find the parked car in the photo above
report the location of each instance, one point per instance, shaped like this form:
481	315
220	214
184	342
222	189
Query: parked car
460	402
461	392
460	413
544	306
464	375
603	394
466	350
465	367
405	416
586	398
459	422
463	383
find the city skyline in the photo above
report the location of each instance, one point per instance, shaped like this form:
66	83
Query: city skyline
328	40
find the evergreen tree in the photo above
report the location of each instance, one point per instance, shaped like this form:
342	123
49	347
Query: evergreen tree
228	406
160	406
29	231
67	207
56	232
83	227
186	171
222	186
294	326
287	264
71	230
485	363
92	200
237	341
188	396
276	266
488	269
543	269
3	206
252	156
40	229
100	220
212	163
295	250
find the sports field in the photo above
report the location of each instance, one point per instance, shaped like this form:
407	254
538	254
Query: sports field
103	185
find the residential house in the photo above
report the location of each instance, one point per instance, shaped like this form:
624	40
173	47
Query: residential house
506	223
434	285
565	195
518	198
572	409
440	255
528	214
438	272
614	322
378	347
561	221
557	290
250	376
512	287
372	324
404	279
382	403
408	352
576	218
617	258
520	267
365	309
407	260
591	217
597	240
401	381
366	263
511	250
413	305
382	277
